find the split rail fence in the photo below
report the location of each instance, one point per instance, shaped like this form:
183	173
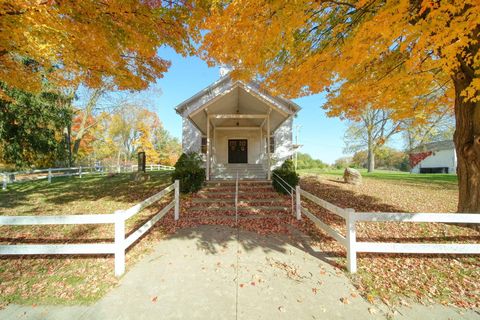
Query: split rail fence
118	218
349	241
50	173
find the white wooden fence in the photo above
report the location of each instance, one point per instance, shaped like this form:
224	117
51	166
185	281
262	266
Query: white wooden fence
349	241
117	218
50	173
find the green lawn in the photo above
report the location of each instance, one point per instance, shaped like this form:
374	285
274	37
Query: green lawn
71	279
391	175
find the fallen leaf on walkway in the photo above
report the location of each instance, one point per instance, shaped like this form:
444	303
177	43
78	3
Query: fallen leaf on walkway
345	300
154	299
241	285
281	309
354	295
370	298
314	290
252	283
372	310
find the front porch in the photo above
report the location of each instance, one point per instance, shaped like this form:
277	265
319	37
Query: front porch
240	129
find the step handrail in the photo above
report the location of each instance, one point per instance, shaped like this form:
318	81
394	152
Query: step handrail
291	192
236	200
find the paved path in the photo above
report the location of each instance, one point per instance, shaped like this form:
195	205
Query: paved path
205	273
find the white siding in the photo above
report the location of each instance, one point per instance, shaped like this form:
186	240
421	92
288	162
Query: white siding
443	158
283	143
191	137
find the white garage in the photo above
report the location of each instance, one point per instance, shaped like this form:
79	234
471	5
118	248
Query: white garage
435	157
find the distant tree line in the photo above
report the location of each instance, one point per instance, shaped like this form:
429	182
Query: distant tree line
305	161
79	126
386	158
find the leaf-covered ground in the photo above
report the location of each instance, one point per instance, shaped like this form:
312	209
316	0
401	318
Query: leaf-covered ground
391	278
71	279
396	278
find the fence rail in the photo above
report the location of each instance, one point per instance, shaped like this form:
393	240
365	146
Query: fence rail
49	173
117	218
349	241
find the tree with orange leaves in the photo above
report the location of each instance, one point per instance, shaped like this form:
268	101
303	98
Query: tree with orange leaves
66	42
411	56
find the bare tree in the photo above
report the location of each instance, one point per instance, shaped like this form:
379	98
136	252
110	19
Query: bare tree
434	127
373	129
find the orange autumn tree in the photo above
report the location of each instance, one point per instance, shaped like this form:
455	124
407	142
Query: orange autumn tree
66	42
85	145
147	123
411	56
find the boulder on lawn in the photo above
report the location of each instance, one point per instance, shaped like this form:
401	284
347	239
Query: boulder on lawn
352	176
141	176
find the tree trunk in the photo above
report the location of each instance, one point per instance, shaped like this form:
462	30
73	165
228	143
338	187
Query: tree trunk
68	145
467	144
371	160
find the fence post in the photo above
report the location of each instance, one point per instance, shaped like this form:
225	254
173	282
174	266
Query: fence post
4	187
177	199
298	203
351	241
80	171
119	243
49	175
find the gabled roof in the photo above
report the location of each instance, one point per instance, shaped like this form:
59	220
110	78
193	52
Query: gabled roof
223	86
435	146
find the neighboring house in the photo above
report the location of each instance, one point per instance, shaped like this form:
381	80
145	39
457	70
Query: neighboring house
234	124
435	157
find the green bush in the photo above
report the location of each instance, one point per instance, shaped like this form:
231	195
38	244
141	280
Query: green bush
287	173
189	171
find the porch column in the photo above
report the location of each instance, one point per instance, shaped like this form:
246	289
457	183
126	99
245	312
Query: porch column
269	162
208	149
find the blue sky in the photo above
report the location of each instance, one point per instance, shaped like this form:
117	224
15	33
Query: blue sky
321	137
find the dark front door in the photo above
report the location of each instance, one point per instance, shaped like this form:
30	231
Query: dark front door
237	151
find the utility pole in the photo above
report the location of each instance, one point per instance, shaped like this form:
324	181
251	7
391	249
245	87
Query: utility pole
297	129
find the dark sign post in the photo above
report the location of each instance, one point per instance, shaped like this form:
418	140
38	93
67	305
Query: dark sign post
141	161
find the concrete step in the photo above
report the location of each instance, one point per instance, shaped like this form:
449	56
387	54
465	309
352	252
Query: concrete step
241	182
243	208
240	200
240	177
242	194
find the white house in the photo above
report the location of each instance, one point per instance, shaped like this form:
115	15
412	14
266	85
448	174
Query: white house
435	157
234	124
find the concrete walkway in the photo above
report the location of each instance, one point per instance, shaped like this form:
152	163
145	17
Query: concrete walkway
205	273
